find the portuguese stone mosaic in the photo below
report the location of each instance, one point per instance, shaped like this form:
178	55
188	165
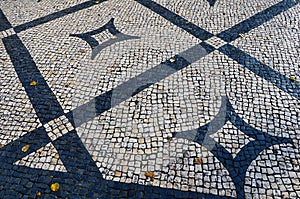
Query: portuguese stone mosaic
149	99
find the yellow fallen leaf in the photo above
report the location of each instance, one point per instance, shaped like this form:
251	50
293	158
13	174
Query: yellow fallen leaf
25	148
97	1
198	160
52	72
114	37
292	78
172	60
242	36
150	174
54	187
33	83
38	194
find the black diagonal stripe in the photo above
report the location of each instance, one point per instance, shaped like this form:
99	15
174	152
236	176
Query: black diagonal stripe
12	152
237	166
258	19
101	103
280	81
176	19
82	185
4	23
74	154
54	16
41	96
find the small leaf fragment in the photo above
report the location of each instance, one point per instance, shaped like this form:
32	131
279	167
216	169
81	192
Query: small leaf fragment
198	160
52	72
96	1
150	175
38	193
1	146
54	187
25	148
114	37
82	51
33	83
172	60
187	22
170	139
242	36
293	79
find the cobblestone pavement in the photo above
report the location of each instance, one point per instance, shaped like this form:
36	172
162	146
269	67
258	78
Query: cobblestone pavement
150	99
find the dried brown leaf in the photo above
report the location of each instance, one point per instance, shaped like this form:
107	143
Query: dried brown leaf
25	148
198	160
150	175
33	83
